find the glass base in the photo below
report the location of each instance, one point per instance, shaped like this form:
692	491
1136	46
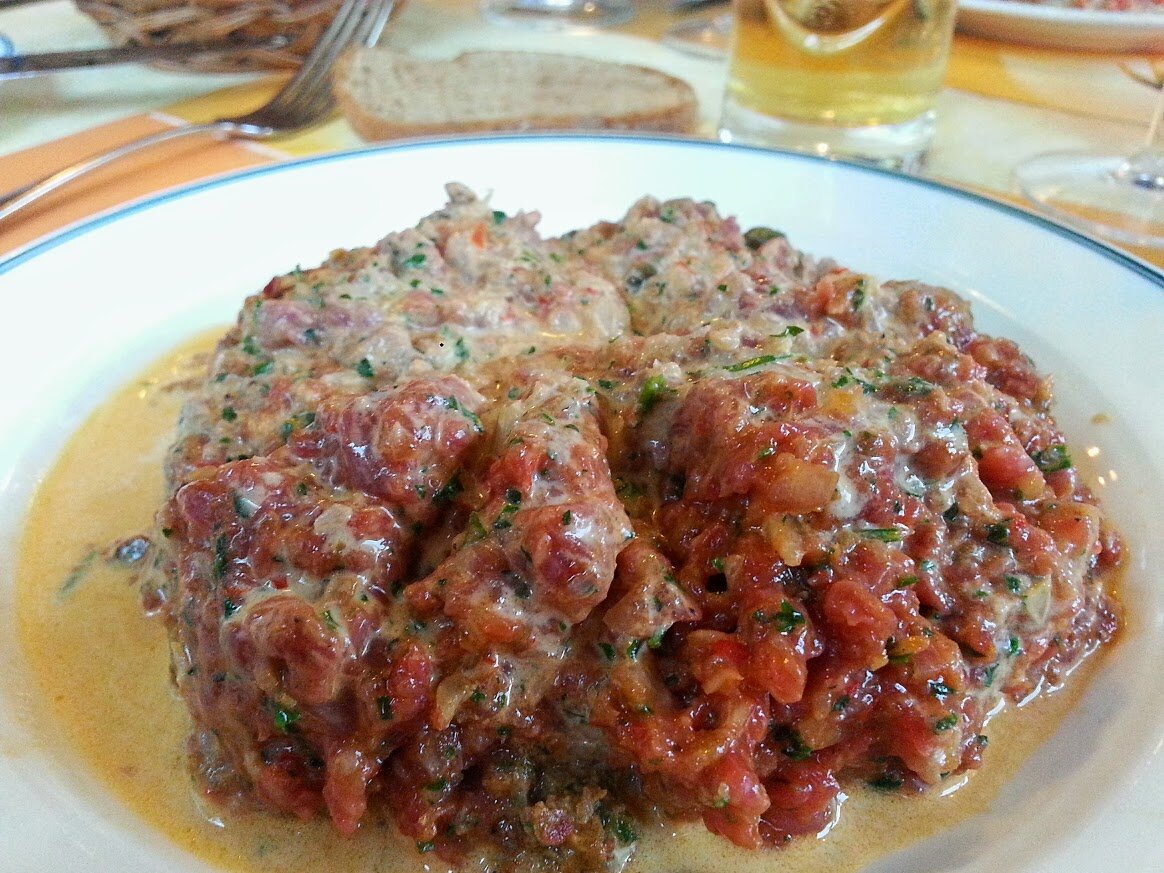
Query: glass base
558	14
893	146
1108	195
705	38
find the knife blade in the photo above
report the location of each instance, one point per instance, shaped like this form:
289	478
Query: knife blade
19	66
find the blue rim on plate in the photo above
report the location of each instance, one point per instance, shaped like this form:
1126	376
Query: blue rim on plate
38	247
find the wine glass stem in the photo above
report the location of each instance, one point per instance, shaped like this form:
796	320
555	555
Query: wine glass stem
1145	168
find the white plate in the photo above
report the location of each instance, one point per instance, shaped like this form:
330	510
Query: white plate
86	309
1078	29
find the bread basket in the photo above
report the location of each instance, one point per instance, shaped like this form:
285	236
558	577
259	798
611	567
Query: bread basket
286	28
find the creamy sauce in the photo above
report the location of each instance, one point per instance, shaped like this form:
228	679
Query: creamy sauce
102	671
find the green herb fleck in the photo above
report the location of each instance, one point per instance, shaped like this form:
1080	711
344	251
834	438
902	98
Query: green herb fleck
654	390
285	719
750	363
1053	458
945	723
885	534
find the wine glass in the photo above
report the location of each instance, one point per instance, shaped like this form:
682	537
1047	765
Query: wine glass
1120	197
554	14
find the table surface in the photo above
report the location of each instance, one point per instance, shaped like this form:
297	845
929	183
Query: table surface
1003	102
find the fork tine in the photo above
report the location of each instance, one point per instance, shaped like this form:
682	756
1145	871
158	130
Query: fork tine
320	59
313	95
334	39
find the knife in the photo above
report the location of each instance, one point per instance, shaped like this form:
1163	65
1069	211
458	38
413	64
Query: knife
18	66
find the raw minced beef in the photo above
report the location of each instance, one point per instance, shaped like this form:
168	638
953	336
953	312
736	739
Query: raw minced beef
520	542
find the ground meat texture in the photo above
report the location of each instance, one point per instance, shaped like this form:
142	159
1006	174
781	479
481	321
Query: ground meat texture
524	541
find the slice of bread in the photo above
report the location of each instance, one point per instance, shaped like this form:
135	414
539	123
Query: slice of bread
386	94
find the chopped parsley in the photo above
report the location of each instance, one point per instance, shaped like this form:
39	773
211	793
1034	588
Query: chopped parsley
364	368
654	390
1052	459
750	363
285	719
786	619
945	723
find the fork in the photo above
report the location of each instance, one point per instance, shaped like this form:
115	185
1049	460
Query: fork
305	100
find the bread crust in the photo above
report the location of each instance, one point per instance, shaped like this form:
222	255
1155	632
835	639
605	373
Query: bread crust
680	116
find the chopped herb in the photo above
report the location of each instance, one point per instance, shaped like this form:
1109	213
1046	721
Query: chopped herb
906	581
654	390
914	386
285	719
717	563
885	534
478	696
999	533
656	640
791	330
513	393
460	350
262	369
228	413
416	260
886	782
249	346
750	363
1052	459
78	572
945	723
607	651
786	619
475	530
364	368
218	568
632	651
605	384
547	418
623	832
766	452
438	784
1013	584
841	704
452	488
1015	647
757	236
858	295
722	289
567	517
498	216
939	689
301	488
425	846
242	507
791	744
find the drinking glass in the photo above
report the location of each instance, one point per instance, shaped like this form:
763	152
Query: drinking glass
1120	197
553	14
704	37
840	78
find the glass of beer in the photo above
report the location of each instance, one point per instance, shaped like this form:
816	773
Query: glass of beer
841	78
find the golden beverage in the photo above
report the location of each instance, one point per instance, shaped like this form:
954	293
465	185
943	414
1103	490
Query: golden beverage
839	62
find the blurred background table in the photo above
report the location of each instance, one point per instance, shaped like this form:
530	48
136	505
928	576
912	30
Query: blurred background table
1003	103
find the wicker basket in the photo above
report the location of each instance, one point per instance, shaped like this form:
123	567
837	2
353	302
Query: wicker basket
158	22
